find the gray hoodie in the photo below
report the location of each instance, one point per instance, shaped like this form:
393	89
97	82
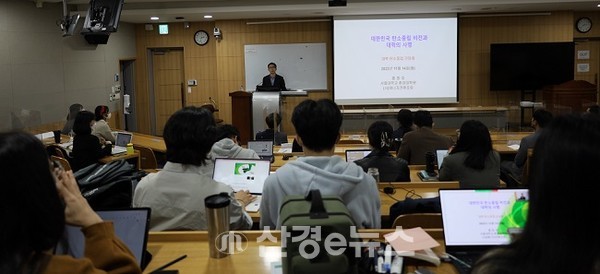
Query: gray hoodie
226	148
332	176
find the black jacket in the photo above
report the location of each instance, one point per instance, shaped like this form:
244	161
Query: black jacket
280	137
391	169
279	83
87	150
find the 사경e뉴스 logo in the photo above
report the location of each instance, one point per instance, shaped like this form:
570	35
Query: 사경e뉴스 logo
231	242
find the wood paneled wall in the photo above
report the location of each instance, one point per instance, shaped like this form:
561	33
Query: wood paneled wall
219	66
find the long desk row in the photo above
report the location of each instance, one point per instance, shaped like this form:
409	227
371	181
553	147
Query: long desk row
167	246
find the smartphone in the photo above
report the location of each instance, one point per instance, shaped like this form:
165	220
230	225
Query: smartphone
57	164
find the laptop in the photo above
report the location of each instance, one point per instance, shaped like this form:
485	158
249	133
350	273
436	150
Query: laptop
441	154
243	174
121	141
477	220
264	149
131	226
356	154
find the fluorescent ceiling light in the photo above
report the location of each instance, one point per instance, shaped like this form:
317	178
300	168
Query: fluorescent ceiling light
154	18
207	16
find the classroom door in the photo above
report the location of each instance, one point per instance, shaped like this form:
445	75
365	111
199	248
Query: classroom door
169	95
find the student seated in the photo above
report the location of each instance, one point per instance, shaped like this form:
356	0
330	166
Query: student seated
176	193
422	140
101	128
73	110
227	145
87	148
563	185
405	120
317	125
472	161
270	134
36	201
512	171
391	169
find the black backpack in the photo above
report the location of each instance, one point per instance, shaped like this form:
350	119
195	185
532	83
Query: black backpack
110	185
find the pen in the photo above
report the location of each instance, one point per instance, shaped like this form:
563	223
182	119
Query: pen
458	260
169	264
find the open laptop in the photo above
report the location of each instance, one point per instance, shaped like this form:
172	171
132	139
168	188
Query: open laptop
476	220
131	226
264	149
121	141
356	154
243	174
441	154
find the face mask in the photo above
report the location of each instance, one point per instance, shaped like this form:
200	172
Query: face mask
108	116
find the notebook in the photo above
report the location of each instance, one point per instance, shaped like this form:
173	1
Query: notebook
441	154
243	174
121	141
264	149
476	220
131	226
356	154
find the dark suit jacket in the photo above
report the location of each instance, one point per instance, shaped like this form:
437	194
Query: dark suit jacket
280	137
391	169
418	142
279	82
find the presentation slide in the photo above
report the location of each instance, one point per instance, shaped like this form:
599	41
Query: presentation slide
395	60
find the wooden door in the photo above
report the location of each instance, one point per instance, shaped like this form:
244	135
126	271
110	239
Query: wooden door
169	93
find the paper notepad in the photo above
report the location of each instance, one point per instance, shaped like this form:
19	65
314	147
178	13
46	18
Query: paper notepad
411	239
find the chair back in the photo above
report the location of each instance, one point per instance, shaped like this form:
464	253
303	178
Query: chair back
63	162
423	220
56	150
527	168
147	157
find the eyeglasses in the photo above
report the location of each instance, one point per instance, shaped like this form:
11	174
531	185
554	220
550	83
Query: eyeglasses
272	67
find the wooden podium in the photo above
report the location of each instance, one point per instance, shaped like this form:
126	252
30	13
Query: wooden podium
570	97
241	114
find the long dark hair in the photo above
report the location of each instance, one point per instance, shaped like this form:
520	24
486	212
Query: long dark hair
82	123
476	141
30	209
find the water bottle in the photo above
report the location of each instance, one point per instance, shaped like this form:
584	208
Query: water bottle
217	218
373	171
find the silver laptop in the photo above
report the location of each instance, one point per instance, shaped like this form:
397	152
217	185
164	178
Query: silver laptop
264	149
243	174
356	154
476	220
121	141
131	225
441	154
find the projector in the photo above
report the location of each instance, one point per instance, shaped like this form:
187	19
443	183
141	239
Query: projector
337	3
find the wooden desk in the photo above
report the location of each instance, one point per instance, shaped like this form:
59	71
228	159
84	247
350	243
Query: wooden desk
156	143
123	156
167	246
402	190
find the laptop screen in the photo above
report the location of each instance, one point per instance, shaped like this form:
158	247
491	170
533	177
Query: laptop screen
242	174
131	226
356	154
122	139
441	154
481	217
262	148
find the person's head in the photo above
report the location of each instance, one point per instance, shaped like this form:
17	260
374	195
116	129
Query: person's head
102	113
317	124
541	118
73	110
474	139
272	67
423	118
31	210
380	134
227	131
405	118
564	184
594	109
83	123
272	119
189	135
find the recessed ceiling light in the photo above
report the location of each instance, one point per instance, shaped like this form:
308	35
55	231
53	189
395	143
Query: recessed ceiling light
207	16
599	5
154	18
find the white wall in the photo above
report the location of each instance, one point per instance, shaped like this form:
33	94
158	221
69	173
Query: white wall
44	72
